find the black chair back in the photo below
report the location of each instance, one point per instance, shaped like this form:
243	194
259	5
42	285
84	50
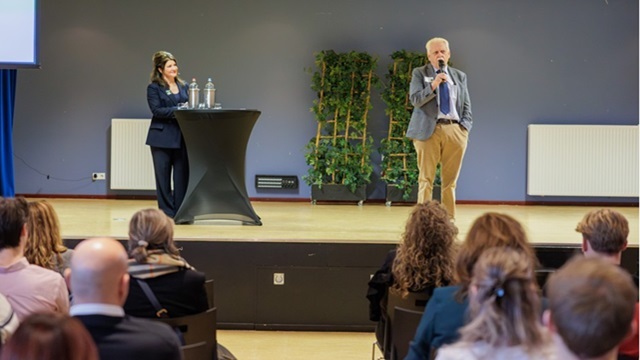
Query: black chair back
208	287
404	327
413	301
196	329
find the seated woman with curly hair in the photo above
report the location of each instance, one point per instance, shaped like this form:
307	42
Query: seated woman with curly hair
45	247
447	309
422	261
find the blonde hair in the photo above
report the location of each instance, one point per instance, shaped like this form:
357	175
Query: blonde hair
151	229
505	305
44	245
425	254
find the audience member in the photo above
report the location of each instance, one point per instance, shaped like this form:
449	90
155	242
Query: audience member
446	311
591	308
604	235
99	281
504	308
44	246
422	261
8	320
50	336
155	260
29	288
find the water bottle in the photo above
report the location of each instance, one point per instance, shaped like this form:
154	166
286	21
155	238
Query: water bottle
194	95
209	95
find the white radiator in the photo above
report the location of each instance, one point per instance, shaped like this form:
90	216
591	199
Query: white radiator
131	163
583	160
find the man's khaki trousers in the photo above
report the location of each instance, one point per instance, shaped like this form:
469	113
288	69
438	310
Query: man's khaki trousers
446	146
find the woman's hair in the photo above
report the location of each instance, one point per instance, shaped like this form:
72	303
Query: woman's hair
504	305
150	229
50	336
159	60
490	230
425	254
45	241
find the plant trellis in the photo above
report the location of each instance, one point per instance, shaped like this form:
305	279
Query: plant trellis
340	151
399	161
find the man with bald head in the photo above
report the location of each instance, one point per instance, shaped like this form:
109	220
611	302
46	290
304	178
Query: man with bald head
99	281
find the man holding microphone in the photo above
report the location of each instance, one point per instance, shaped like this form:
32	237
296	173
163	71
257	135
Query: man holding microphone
440	122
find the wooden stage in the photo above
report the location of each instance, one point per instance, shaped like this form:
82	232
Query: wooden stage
325	254
304	222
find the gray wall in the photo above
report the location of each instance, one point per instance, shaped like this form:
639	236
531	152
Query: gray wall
543	61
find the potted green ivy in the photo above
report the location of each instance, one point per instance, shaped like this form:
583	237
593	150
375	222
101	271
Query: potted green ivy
339	156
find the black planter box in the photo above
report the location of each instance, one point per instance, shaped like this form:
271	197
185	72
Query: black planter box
333	192
395	195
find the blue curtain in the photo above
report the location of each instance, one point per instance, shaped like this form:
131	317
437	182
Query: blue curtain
7	102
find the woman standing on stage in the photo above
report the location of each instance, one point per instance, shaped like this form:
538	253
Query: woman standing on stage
164	94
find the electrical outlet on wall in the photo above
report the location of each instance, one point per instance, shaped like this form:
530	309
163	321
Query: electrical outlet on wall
98	176
278	278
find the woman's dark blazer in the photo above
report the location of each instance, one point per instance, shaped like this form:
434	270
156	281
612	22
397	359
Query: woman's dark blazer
442	318
181	293
164	131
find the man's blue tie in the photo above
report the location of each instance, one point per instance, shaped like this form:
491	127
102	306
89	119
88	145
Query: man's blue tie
443	90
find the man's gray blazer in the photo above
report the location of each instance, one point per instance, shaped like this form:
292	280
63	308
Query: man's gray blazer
425	106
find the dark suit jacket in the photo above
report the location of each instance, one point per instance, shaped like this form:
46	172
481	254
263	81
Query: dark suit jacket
164	131
181	293
379	286
425	106
440	322
129	338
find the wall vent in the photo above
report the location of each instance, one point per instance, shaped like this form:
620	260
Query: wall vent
276	182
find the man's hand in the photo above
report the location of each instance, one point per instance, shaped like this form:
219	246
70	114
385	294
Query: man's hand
439	79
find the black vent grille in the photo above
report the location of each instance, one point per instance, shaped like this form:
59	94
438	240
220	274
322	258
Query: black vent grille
276	182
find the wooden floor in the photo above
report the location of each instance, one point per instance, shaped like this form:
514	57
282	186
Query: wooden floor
304	222
291	345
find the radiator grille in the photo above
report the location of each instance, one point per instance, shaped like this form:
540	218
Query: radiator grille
583	160
131	163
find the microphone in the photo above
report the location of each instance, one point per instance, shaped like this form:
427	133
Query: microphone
441	64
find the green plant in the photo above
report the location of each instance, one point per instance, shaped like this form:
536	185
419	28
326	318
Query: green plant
399	161
340	153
